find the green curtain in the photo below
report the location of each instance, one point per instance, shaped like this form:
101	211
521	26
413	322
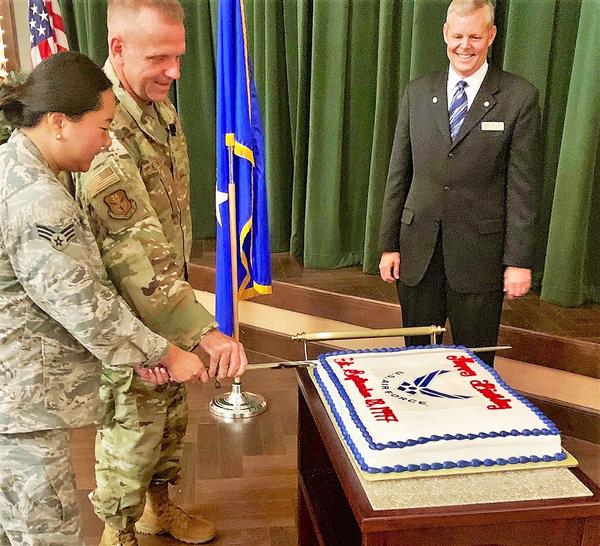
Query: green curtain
330	74
572	273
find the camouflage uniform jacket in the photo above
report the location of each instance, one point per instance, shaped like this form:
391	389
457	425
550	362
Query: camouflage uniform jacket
137	197
59	314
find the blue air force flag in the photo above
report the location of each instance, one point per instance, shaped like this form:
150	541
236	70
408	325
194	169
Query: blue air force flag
239	128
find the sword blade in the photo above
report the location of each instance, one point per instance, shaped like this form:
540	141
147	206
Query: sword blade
286	364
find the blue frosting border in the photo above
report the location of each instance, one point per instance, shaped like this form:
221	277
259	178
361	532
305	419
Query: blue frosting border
551	430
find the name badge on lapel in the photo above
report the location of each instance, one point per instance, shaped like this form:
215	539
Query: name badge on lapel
492	126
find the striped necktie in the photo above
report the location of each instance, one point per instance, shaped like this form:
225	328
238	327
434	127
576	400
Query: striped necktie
458	108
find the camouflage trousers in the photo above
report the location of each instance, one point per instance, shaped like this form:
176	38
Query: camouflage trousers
38	503
139	442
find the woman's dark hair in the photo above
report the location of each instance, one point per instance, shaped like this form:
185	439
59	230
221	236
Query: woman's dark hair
69	83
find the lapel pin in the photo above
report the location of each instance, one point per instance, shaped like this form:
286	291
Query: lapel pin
434	100
486	103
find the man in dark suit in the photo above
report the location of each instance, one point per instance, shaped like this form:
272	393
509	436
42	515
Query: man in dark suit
457	228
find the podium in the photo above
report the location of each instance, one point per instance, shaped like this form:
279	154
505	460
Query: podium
333	509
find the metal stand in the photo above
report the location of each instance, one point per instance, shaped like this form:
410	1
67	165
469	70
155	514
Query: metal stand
237	404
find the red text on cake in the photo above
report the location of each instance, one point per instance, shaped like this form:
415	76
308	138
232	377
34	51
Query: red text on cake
460	363
360	382
378	408
488	389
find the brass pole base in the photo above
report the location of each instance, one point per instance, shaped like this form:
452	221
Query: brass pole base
237	404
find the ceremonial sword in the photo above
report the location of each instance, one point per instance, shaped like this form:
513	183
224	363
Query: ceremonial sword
431	331
286	364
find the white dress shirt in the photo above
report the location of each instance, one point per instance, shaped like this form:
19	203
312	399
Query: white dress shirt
474	82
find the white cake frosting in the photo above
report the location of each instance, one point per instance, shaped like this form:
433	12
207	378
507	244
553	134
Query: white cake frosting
431	408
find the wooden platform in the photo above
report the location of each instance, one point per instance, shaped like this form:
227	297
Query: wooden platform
528	313
570	354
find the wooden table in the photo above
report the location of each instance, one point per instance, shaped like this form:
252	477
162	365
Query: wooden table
333	509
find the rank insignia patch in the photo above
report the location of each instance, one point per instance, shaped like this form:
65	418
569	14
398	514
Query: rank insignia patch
59	239
119	205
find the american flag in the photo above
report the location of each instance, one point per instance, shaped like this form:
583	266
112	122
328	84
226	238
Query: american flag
46	30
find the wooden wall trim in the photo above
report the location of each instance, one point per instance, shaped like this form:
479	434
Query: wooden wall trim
571	420
312	301
561	353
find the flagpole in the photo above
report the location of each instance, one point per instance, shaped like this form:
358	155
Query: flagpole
236	404
233	247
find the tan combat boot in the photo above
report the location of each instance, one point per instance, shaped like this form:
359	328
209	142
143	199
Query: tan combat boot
118	537
161	516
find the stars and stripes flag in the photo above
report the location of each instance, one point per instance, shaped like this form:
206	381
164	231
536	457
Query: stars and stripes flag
241	164
46	30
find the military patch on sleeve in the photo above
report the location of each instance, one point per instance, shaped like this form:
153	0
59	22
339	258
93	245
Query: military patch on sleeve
59	239
120	206
102	180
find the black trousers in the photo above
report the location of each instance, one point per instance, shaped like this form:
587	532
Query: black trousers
474	318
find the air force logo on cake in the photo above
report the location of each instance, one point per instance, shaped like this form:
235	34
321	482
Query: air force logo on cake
421	385
393	383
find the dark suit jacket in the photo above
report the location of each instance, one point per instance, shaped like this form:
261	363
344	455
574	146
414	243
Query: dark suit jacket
482	190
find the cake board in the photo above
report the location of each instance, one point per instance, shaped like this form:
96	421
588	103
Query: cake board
458	486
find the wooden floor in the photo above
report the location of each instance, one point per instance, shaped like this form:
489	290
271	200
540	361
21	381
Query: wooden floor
242	475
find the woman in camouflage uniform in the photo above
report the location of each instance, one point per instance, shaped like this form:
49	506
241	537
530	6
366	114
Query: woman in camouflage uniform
59	314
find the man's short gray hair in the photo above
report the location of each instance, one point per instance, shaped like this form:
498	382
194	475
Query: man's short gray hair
464	7
171	9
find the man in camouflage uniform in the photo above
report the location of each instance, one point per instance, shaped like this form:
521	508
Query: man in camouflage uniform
137	196
59	316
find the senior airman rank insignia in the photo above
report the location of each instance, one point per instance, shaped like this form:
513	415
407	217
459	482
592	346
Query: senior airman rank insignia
59	239
120	207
